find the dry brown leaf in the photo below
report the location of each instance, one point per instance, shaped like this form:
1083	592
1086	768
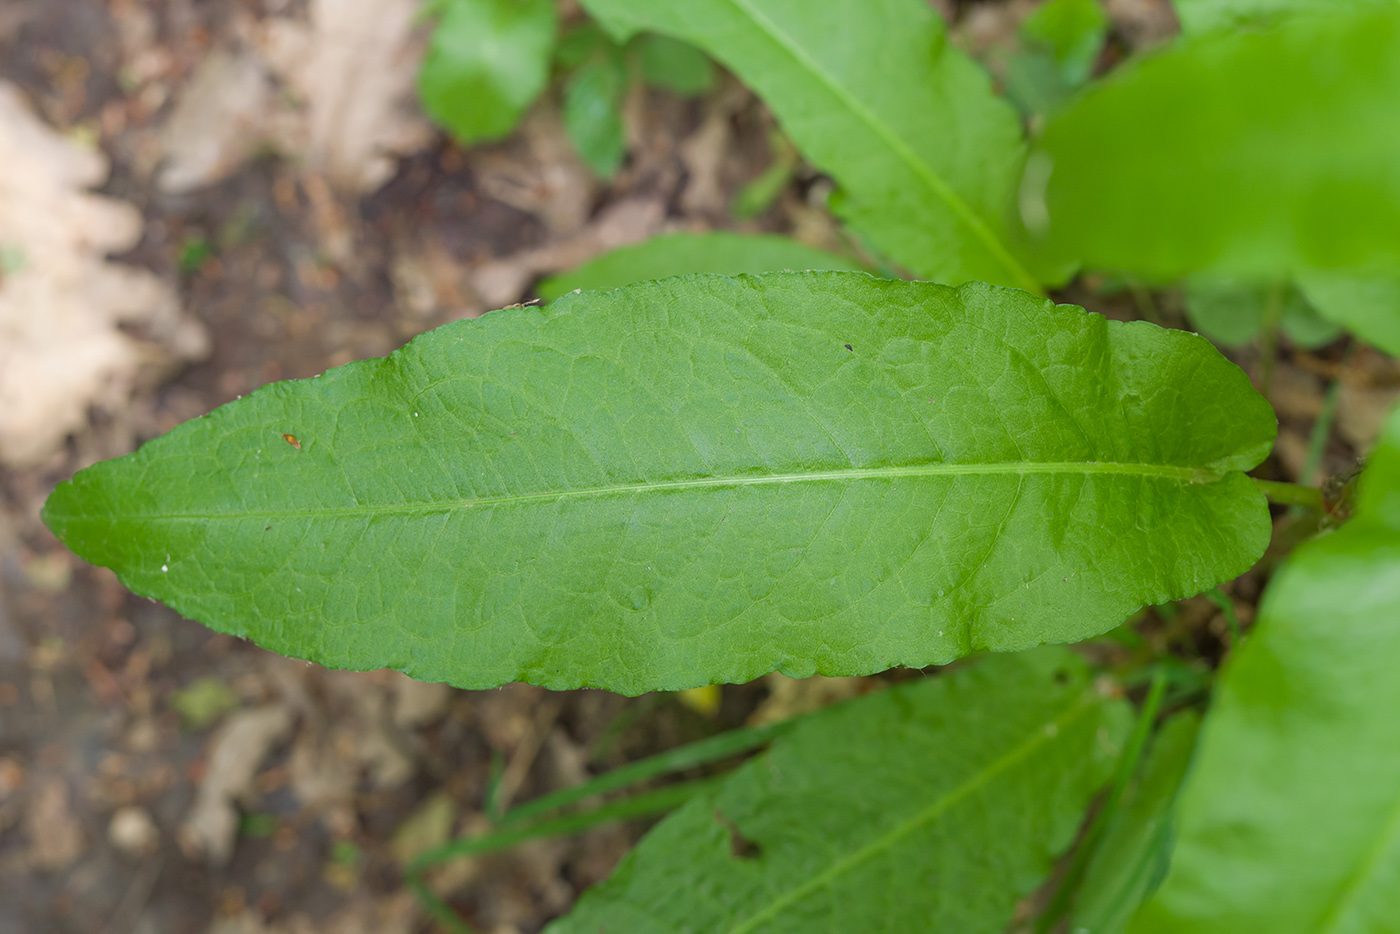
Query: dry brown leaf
61	302
1144	22
791	697
55	836
539	171
131	830
703	154
417	703
427	828
352	70
219	121
1362	413
1294	392
504	280
344	108
238	748
395	914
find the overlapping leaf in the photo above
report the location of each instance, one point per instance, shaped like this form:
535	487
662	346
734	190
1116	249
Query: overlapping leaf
1290	821
1133	857
933	806
1261	153
701	479
927	155
684	254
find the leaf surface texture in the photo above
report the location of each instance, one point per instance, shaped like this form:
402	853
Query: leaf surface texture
931	806
699	480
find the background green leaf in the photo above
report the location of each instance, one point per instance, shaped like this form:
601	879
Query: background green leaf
1261	153
1233	313
872	93
487	62
1059	42
1290	821
1201	15
683	254
593	111
698	480
1072	31
1132	859
930	806
581	43
1367	305
674	65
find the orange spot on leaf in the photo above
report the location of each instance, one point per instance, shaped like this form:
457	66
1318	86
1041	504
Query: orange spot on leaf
292	440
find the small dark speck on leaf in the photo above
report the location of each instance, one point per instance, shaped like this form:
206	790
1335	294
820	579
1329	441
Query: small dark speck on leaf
292	440
268	529
740	846
850	348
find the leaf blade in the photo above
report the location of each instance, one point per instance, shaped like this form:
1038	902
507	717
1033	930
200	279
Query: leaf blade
1202	15
812	472
487	61
872	93
894	793
1367	305
1136	852
1279	155
685	254
1289	820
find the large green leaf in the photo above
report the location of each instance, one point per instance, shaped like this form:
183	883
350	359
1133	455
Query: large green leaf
1132	859
487	61
1290	821
684	254
701	479
869	90
932	806
1261	153
1200	15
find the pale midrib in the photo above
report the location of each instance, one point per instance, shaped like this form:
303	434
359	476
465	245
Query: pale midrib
919	471
976	782
921	169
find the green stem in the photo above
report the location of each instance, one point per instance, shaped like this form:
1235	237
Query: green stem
1268	337
702	752
643	805
527	821
1292	494
1122	776
1226	606
1321	434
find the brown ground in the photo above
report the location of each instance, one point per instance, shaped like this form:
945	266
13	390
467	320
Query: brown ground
332	776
